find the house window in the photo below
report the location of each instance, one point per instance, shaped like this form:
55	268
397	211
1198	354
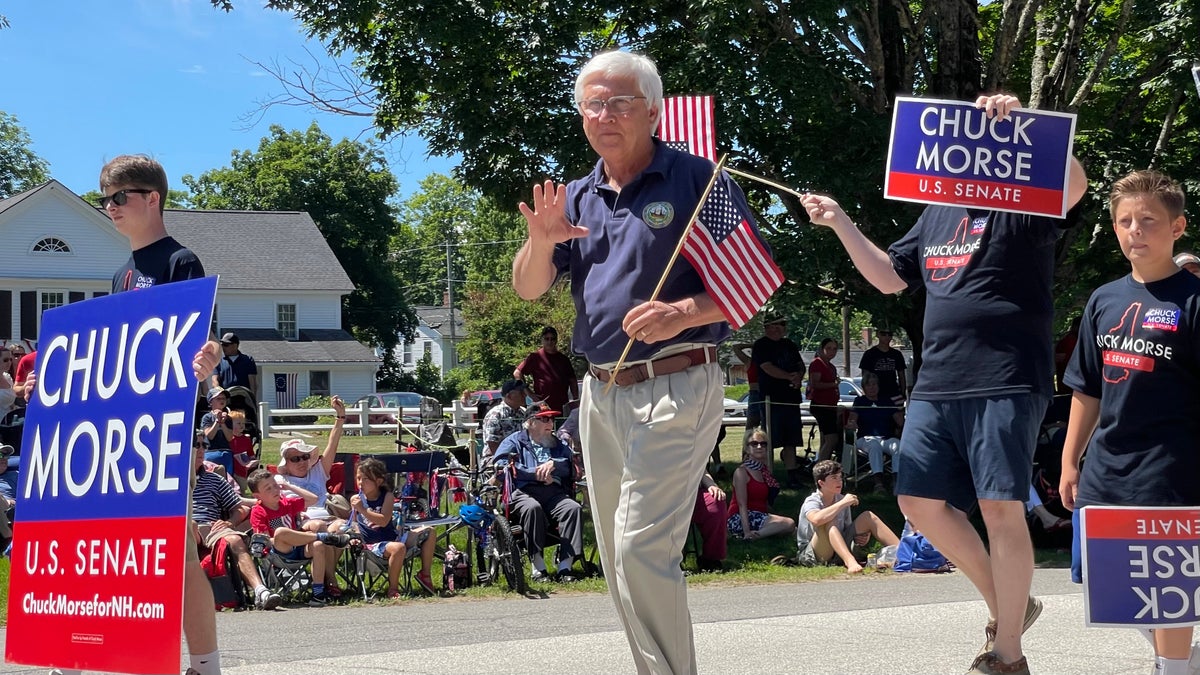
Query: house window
212	329
408	353
429	348
52	299
285	321
318	383
51	245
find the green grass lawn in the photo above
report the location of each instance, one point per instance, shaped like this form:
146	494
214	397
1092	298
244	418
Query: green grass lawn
748	562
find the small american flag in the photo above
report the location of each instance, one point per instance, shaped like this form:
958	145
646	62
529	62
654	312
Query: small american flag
285	390
687	124
736	266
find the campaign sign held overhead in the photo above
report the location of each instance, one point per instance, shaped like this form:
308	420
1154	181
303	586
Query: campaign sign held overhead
1141	566
99	539
949	152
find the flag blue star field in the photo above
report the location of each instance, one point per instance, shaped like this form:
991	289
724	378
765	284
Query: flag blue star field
732	259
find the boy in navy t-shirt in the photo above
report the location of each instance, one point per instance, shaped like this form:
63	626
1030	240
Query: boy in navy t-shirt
974	415
1138	348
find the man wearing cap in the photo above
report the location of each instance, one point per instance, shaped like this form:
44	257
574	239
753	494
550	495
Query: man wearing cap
504	419
540	466
1189	262
647	438
888	365
780	376
236	369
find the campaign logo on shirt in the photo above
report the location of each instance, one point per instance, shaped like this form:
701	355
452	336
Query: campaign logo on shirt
1161	319
658	214
979	225
1125	351
944	260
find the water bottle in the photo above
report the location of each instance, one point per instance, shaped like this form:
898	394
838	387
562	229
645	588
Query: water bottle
871	564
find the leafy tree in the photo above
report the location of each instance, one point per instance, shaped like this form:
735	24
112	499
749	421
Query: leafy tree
346	188
20	167
804	94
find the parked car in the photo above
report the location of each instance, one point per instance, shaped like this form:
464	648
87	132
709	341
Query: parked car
409	401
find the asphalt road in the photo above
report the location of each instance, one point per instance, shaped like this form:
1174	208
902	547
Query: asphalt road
879	624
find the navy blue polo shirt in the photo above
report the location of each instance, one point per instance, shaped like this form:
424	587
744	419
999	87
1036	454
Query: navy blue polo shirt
632	234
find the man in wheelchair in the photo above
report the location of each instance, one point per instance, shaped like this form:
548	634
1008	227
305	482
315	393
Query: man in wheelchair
537	465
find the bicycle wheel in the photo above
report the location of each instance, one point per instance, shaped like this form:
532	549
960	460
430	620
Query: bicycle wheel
507	555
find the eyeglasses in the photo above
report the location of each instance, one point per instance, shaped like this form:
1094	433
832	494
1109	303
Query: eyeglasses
617	105
121	197
296	459
197	445
757	444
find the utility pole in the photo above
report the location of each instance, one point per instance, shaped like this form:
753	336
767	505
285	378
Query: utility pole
450	309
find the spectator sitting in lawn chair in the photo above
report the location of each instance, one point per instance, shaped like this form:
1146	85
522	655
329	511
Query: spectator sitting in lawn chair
374	514
876	422
826	529
219	513
277	517
300	465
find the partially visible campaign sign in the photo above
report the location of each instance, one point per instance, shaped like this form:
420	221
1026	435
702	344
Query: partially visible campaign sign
106	459
1141	566
949	152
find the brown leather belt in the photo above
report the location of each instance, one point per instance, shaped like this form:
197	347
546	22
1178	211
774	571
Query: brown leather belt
667	365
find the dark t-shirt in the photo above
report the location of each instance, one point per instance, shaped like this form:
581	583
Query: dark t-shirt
236	372
875	418
988	280
162	262
887	366
782	353
1139	353
552	376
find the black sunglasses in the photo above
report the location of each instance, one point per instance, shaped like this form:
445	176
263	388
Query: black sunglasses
757	444
296	459
121	197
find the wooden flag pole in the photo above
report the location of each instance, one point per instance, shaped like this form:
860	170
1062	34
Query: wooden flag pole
678	247
760	179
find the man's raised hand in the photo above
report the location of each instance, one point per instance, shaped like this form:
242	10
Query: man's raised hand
547	219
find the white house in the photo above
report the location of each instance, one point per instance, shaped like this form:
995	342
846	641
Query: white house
281	286
434	336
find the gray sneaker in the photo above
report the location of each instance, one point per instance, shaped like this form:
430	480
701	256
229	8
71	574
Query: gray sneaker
268	601
1033	609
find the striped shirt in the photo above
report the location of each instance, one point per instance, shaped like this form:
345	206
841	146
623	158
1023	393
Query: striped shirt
212	499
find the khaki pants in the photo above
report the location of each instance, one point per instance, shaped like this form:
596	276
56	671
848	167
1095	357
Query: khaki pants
645	447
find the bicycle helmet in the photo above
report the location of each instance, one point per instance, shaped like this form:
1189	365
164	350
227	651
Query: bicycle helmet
471	514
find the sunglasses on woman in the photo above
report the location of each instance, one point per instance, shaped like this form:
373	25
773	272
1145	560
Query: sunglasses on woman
296	459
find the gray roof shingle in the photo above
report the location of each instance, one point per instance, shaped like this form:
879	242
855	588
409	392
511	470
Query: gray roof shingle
438	318
260	250
320	345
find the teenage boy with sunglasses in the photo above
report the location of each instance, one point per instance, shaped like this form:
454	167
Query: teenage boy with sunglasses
135	192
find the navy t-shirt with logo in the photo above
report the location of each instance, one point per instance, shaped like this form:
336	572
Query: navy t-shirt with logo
988	279
162	262
887	367
1139	353
632	234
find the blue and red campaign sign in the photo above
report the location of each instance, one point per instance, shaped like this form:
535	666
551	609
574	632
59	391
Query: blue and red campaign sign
949	152
106	459
1141	566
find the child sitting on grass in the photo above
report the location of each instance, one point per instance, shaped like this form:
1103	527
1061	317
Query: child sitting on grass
826	529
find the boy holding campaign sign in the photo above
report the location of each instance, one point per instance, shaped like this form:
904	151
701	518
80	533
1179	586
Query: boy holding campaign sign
1138	342
134	189
987	273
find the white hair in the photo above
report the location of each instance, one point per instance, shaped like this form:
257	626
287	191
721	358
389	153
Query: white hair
618	64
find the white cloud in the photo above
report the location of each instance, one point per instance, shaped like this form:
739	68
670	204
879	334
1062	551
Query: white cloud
194	70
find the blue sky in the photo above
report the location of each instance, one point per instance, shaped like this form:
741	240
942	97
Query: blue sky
174	79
